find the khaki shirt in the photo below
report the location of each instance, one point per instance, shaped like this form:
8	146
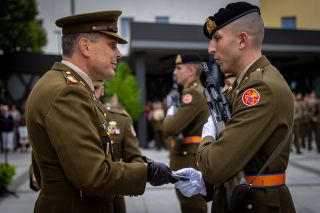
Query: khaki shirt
65	124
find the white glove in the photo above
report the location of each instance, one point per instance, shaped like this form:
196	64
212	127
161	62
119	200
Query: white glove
209	129
171	111
192	187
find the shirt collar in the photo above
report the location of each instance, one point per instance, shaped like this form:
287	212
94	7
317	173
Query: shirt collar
245	71
83	75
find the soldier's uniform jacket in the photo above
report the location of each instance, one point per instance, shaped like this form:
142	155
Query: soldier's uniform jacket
262	114
65	124
125	145
188	120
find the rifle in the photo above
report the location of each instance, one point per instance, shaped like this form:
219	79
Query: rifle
237	186
216	99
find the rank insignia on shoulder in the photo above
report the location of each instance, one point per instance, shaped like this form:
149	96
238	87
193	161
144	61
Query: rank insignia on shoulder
187	99
71	80
250	97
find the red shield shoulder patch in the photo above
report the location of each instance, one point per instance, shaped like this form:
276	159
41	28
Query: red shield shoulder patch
187	99
250	97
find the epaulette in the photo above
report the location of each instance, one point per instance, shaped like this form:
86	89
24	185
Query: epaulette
70	78
257	74
118	111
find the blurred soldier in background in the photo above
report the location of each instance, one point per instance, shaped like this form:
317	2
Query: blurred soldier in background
298	113
157	123
125	144
187	122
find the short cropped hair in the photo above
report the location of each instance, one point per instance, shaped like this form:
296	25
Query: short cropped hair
197	67
252	24
69	41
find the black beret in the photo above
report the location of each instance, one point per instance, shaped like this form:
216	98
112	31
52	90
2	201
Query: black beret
227	15
188	59
103	21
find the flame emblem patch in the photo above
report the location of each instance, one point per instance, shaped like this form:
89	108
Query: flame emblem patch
250	97
187	99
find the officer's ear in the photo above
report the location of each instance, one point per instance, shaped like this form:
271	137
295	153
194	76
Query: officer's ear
84	46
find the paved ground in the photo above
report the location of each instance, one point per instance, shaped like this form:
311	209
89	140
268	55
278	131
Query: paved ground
303	179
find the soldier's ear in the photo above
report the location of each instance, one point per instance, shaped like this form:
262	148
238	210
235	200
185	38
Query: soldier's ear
243	40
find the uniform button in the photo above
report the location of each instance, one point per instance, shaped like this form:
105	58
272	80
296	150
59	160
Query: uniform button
105	115
68	72
249	206
112	142
237	92
185	153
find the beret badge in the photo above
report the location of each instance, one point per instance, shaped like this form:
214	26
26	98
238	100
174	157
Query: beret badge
178	59
210	25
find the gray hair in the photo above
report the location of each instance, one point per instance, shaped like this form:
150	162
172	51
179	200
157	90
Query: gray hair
69	41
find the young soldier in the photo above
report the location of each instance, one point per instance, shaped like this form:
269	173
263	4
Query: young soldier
262	116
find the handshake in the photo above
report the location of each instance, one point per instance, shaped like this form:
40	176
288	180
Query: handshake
188	180
158	173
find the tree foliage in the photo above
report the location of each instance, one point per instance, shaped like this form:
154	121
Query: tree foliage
6	174
124	84
20	31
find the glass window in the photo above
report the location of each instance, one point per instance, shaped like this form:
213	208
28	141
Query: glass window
125	25
288	22
162	19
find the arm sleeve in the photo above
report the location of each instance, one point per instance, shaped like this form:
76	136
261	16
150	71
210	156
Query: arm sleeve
130	146
173	125
245	133
74	134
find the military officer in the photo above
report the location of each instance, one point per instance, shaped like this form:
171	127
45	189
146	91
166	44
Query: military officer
124	143
67	125
262	116
187	122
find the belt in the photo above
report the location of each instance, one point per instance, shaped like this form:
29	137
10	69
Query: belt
191	139
266	180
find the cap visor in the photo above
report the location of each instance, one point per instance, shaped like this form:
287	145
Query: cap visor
116	36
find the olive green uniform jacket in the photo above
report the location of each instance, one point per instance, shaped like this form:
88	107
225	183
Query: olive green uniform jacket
188	121
250	136
65	124
125	144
